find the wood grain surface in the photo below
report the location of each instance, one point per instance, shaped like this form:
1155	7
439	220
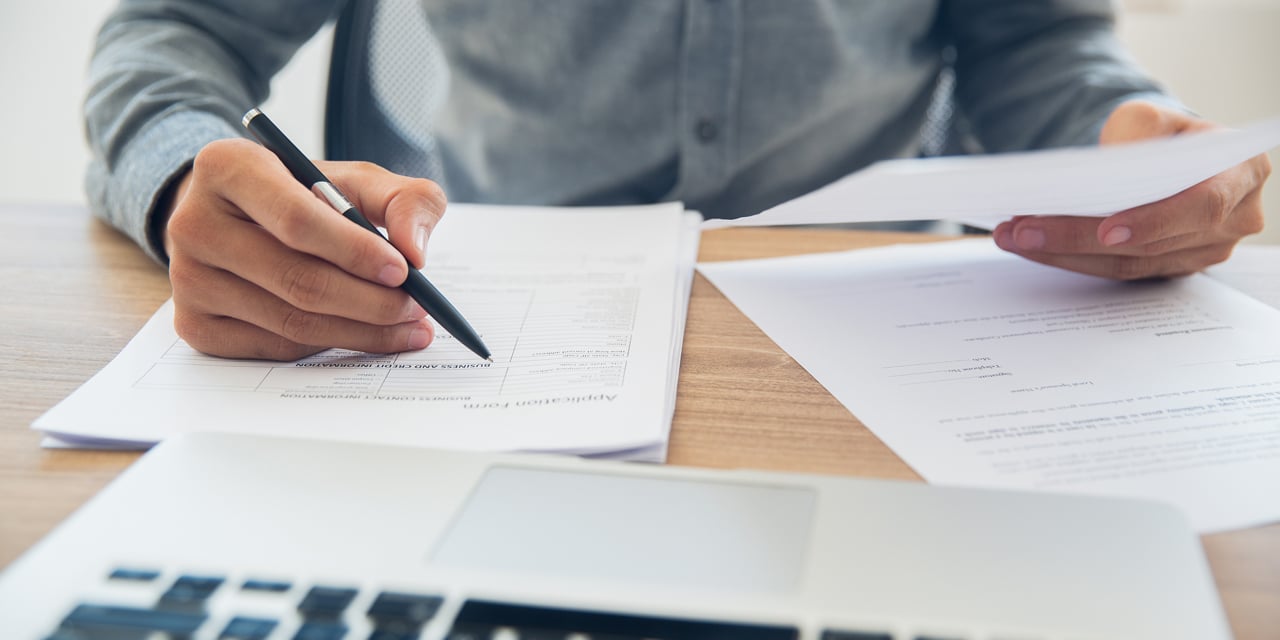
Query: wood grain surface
75	292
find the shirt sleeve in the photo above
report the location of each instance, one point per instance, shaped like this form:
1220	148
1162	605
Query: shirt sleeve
1041	73
166	78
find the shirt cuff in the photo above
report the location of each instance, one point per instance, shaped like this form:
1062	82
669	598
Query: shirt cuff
157	156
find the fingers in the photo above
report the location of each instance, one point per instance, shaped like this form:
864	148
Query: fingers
252	182
1153	240
1225	206
1071	243
299	279
1130	267
1179	235
409	208
262	268
231	317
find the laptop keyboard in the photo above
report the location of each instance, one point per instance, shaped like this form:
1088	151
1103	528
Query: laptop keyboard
202	606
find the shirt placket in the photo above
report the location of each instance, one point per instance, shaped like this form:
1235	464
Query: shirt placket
708	88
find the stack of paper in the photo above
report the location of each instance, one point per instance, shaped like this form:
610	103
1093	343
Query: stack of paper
583	309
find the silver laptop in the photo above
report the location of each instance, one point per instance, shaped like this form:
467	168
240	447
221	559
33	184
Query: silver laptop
241	537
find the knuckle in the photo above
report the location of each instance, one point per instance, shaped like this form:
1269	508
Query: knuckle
282	349
183	225
303	284
433	192
364	166
1252	224
1131	268
188	327
196	330
298	325
1219	254
290	224
182	276
366	251
191	280
220	157
390	309
390	340
1217	206
1160	247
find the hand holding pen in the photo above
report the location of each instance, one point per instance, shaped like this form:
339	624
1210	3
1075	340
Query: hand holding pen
263	268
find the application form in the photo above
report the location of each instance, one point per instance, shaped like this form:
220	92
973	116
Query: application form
980	368
583	310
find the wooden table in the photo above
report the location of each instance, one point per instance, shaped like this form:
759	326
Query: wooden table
75	291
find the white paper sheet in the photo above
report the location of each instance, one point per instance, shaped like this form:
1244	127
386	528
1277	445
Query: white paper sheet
1084	181
583	310
1254	269
980	368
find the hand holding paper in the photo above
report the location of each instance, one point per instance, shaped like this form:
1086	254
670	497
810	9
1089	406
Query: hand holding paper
1099	181
1178	235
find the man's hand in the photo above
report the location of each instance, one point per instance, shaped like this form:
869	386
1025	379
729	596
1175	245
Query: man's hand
262	268
1176	236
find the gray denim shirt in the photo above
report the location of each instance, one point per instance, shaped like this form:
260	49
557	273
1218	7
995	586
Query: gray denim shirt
728	105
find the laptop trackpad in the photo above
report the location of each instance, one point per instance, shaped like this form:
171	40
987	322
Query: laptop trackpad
605	527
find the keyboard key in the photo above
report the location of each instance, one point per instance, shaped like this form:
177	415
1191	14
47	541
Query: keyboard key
392	610
135	575
543	634
464	631
242	628
190	592
326	602
476	615
323	630
274	586
831	634
384	634
99	620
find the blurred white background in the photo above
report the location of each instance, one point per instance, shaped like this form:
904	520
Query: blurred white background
1218	56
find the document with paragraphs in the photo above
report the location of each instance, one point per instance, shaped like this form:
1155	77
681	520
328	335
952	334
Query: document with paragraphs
981	368
583	309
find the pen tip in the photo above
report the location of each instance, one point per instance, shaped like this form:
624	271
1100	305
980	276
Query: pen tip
490	358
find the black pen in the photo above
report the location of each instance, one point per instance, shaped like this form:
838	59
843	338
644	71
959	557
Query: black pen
416	285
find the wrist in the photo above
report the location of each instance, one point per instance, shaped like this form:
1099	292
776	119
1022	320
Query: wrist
168	200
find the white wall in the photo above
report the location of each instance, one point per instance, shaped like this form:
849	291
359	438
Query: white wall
44	52
1219	56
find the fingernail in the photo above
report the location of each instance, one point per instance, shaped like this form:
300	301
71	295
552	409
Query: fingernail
419	338
390	276
1117	235
420	237
1030	239
1001	236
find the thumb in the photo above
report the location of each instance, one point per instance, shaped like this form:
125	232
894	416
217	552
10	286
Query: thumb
1139	120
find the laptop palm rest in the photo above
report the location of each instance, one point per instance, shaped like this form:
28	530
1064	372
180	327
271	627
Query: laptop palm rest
638	530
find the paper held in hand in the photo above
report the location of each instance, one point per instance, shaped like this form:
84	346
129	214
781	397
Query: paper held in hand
1080	181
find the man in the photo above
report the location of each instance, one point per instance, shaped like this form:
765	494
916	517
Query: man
729	105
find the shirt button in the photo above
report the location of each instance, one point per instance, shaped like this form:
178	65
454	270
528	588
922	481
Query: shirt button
706	130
